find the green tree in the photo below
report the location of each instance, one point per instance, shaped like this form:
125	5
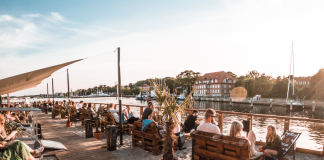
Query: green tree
186	79
232	74
170	83
316	91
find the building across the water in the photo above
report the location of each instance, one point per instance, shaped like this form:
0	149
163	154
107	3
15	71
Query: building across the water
301	82
216	84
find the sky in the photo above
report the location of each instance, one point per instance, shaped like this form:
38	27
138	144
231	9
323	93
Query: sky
157	39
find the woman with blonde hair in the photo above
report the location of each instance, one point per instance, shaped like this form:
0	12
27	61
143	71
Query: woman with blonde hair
236	130
273	143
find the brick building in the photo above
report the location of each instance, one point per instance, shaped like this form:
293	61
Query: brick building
216	84
300	82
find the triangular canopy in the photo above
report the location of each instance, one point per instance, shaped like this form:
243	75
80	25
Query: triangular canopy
29	80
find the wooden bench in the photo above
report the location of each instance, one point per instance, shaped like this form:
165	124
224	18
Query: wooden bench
150	140
214	146
108	119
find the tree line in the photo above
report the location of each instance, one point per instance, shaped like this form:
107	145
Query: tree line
269	87
254	82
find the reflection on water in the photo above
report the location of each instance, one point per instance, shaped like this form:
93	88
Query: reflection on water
312	133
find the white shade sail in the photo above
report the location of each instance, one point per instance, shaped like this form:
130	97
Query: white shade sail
29	80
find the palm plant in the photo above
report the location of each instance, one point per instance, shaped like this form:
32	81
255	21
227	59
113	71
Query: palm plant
170	112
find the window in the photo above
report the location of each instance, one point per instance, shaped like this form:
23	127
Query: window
234	81
229	86
229	81
308	82
224	80
224	86
196	82
229	91
224	91
218	86
212	81
215	80
218	91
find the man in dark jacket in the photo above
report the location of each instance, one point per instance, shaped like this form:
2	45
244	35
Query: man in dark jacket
191	121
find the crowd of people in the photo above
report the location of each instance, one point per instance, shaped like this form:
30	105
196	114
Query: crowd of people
273	141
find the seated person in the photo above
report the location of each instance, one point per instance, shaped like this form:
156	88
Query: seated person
129	115
12	117
273	143
148	110
208	125
85	106
15	149
114	113
191	121
79	105
236	130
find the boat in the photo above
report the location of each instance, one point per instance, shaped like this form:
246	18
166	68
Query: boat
292	102
181	97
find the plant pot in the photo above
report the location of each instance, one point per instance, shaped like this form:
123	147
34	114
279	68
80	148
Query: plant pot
68	124
97	135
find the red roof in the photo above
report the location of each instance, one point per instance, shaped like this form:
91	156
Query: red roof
220	76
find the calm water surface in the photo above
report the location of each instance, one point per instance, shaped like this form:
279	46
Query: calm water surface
312	133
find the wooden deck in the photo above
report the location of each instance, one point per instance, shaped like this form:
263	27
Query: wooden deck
79	148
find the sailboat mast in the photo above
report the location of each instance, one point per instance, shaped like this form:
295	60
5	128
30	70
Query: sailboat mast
293	57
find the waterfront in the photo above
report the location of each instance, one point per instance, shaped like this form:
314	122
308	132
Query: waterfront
312	133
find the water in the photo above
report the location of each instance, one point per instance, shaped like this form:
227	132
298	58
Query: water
312	133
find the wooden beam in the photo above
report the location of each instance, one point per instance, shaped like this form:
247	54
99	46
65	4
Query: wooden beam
220	122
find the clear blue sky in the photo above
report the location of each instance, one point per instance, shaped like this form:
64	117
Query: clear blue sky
158	38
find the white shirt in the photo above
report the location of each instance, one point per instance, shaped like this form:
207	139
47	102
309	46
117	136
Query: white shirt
79	106
26	101
208	127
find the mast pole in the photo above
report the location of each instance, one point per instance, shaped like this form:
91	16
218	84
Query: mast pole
293	57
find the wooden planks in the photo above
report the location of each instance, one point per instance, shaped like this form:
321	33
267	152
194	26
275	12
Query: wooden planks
79	148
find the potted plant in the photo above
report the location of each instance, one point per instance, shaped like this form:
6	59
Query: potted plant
97	134
68	122
170	111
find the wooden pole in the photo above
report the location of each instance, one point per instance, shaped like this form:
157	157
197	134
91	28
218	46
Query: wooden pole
120	102
8	100
53	109
47	92
286	125
220	122
68	84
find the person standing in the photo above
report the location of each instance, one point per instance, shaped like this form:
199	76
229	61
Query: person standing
26	100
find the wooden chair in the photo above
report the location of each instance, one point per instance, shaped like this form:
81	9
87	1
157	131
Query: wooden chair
57	109
288	142
74	115
214	146
108	119
151	139
184	128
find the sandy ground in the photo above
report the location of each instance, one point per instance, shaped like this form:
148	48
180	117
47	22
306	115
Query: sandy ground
127	152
